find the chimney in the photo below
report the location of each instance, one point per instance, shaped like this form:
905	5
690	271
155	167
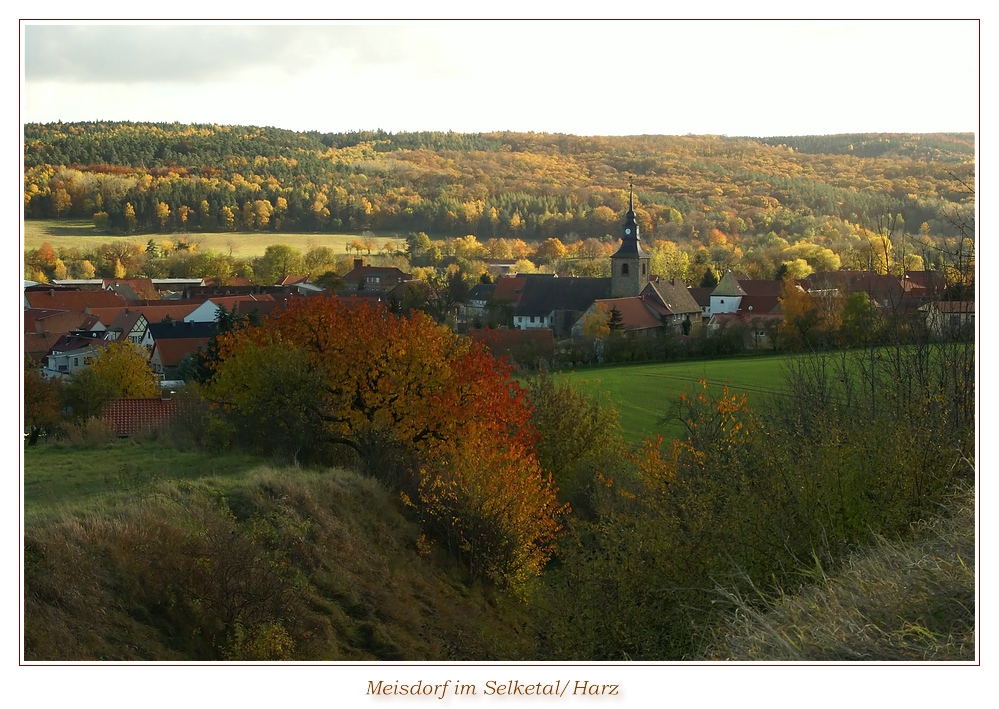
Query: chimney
358	263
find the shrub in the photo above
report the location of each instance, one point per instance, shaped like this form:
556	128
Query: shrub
91	432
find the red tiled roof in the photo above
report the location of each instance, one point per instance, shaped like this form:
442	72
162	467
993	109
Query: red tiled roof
635	314
37	346
228	302
42	321
509	289
176	312
143	287
78	300
293	280
170	351
130	416
759	304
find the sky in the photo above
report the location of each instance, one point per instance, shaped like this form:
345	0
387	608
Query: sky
585	77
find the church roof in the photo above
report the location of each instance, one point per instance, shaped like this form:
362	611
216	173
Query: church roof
631	245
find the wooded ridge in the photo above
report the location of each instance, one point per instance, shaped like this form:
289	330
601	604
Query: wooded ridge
165	177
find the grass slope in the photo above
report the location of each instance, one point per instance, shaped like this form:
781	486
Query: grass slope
64	479
902	600
242	562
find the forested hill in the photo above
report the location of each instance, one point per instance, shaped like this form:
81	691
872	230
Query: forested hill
166	177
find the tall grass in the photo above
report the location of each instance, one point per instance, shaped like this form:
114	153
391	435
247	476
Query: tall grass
900	600
272	565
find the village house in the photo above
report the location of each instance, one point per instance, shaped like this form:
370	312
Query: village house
377	278
949	318
70	354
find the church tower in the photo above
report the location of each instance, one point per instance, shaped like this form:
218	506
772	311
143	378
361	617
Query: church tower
630	265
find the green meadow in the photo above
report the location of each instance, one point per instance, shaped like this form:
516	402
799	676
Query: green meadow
644	394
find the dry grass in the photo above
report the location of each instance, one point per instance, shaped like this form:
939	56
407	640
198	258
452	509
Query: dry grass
276	565
906	601
81	235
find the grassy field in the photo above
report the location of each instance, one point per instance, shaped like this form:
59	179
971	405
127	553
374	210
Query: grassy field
80	234
66	479
644	393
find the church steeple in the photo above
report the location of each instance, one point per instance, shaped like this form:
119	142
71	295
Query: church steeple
630	224
630	265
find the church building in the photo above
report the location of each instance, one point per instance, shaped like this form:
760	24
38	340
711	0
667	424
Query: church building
630	265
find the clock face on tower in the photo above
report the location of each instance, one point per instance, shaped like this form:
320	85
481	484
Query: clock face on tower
627	231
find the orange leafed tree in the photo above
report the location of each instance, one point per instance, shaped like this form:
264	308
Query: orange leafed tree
424	408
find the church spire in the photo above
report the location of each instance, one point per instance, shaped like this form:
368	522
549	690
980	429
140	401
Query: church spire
630	223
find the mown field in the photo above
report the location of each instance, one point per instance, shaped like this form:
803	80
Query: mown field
644	394
81	234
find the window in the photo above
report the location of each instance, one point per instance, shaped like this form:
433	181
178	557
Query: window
643	269
624	269
532	318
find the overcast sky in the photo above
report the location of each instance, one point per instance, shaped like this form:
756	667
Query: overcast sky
746	77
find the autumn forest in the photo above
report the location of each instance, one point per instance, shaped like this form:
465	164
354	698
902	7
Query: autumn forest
872	201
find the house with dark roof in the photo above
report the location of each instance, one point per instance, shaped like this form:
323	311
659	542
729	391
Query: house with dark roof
474	307
377	278
70	354
208	311
43	327
557	303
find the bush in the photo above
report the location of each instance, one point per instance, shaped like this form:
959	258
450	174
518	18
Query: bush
752	499
91	432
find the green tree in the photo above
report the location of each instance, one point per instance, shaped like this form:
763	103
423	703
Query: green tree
278	261
125	366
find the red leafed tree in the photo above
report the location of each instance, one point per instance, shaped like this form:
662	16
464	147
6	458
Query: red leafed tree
425	409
